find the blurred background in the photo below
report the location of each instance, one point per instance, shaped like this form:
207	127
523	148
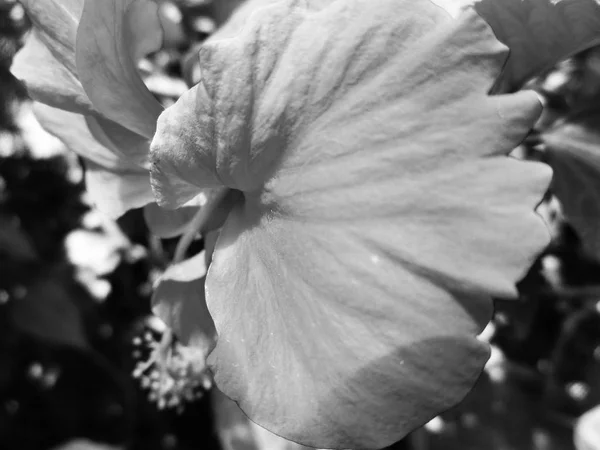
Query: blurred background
75	289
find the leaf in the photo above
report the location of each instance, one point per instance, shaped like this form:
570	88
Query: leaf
14	243
107	45
47	311
572	149
114	183
379	215
179	301
540	34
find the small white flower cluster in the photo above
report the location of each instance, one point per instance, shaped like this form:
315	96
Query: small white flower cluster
172	375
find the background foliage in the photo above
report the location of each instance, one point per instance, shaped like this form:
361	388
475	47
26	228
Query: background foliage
73	327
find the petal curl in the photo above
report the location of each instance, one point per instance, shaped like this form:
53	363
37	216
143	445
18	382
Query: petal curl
115	183
380	211
105	55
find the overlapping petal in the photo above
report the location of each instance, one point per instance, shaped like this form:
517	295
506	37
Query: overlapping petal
48	80
114	184
379	210
110	36
56	22
48	66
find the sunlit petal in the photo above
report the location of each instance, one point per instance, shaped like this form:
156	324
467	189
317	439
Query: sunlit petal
379	213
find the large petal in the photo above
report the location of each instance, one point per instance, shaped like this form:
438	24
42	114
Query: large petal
115	183
365	326
539	33
380	212
108	40
573	150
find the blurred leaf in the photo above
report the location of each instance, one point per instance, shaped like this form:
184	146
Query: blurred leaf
573	150
14	243
45	309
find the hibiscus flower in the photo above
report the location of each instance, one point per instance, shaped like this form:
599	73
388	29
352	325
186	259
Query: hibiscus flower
375	211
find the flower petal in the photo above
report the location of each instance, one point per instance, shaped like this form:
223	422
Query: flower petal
179	301
202	141
573	150
116	193
106	51
114	183
56	21
380	212
540	33
46	64
48	80
236	432
126	144
365	327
